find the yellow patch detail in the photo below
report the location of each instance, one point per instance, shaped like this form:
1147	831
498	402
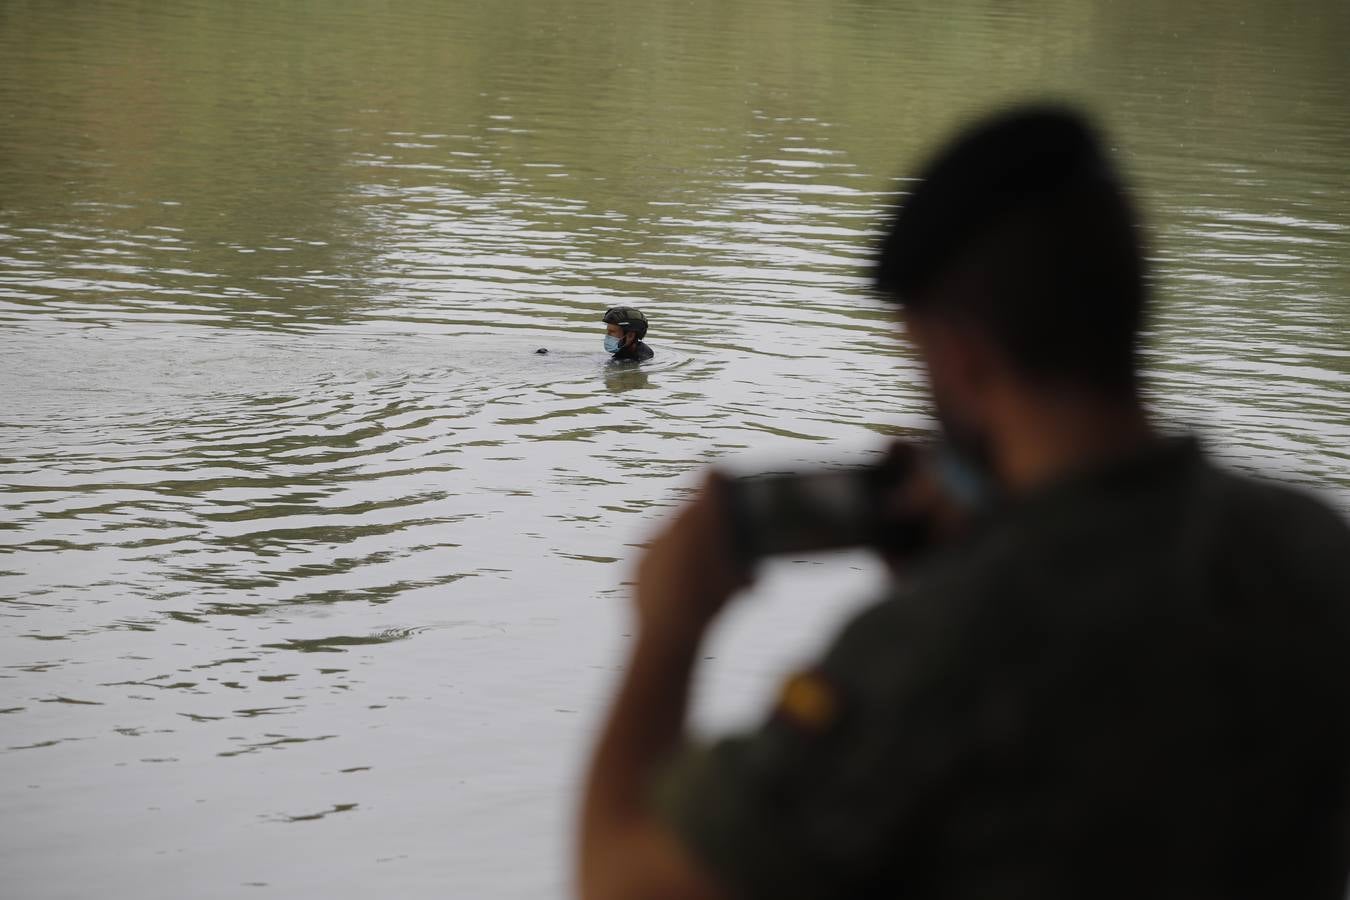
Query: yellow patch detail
808	700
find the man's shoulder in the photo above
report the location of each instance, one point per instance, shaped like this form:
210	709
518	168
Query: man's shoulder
638	352
1134	543
1157	528
1280	529
1274	504
1175	497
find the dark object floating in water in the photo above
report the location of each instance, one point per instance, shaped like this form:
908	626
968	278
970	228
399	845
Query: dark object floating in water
542	350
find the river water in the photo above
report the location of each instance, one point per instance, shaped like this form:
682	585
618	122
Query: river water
312	571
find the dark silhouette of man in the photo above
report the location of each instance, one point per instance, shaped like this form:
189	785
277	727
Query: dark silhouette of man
1126	676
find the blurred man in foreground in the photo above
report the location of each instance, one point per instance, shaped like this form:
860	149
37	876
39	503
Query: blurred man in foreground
1127	676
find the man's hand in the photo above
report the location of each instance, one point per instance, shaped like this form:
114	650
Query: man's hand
690	570
684	579
920	505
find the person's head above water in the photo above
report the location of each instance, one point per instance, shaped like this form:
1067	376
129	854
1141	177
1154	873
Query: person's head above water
625	327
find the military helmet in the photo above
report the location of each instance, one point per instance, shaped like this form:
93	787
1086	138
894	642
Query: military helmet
627	318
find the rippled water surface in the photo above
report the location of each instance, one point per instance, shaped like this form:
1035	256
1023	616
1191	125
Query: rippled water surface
312	570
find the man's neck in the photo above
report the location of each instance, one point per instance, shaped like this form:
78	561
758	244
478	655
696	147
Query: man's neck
1052	434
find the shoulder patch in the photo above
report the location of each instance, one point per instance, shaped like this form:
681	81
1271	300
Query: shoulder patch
809	701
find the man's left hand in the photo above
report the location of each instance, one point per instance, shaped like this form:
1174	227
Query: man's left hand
690	570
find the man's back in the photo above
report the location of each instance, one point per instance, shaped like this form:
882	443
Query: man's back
1140	673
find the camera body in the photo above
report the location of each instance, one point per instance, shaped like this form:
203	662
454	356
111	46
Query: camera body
778	513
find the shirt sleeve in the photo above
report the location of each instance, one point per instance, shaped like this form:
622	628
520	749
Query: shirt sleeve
818	800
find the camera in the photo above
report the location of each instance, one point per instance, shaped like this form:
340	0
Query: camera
777	513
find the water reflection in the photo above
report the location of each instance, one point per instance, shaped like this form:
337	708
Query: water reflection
623	377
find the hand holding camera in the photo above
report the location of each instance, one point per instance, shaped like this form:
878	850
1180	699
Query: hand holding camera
899	507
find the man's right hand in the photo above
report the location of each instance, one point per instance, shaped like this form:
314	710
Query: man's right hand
920	496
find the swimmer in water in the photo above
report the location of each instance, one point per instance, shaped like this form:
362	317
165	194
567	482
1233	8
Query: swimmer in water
625	327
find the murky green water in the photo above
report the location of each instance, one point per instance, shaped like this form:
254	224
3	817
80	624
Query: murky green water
312	570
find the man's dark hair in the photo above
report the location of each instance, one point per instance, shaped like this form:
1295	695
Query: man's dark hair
1021	228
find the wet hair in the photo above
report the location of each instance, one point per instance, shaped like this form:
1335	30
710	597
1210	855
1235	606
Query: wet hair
1021	228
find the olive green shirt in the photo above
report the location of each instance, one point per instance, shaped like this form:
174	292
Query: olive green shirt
1132	684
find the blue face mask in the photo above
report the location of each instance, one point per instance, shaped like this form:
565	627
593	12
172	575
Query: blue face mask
965	477
612	344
